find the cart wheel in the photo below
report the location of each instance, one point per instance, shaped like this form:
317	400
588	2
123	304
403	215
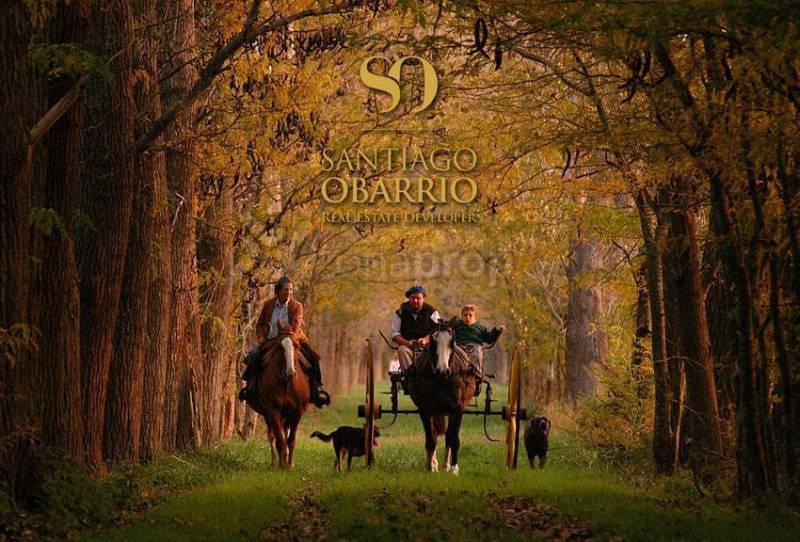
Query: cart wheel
512	411
370	409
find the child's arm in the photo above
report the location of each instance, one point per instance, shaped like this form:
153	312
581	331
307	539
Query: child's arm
490	337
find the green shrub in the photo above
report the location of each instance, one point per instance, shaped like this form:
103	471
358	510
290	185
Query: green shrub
616	423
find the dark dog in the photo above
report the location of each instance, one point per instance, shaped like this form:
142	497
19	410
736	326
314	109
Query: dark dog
537	436
346	441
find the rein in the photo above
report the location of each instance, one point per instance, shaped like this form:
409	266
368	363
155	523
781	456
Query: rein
389	344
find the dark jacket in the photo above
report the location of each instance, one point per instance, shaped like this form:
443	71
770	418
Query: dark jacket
415	325
476	333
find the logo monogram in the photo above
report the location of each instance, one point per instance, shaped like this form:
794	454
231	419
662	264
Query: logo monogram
390	83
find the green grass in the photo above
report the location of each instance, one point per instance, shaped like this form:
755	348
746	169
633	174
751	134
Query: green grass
397	500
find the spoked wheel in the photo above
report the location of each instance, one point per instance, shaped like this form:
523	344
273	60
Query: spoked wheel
371	408
513	414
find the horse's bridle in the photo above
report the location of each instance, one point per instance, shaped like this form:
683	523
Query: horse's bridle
445	326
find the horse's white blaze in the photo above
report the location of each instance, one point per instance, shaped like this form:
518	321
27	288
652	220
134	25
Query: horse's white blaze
288	353
443	350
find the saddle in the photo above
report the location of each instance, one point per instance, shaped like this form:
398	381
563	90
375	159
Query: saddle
305	354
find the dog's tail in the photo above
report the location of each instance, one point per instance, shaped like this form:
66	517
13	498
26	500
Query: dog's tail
322	436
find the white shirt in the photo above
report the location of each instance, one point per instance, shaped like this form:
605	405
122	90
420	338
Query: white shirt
280	314
396	322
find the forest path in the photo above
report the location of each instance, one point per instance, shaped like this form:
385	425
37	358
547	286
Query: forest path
261	506
576	497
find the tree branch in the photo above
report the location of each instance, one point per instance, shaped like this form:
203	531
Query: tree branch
248	33
57	111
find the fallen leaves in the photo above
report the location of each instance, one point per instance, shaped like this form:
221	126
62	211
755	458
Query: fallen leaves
538	520
306	521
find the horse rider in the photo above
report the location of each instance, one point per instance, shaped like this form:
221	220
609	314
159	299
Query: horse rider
412	325
280	315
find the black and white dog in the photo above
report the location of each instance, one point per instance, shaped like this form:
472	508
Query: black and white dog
537	436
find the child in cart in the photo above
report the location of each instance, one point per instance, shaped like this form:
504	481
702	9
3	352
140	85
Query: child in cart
471	335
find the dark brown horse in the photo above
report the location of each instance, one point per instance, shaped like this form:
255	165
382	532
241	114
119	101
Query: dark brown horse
282	396
442	385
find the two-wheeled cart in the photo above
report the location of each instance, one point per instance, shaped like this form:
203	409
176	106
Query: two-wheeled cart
511	412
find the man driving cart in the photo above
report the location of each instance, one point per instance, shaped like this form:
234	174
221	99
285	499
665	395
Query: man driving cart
412	325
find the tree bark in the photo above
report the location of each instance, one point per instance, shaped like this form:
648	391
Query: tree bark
587	343
672	261
57	293
751	474
181	426
158	250
215	254
19	165
107	198
653	232
702	413
641	352
127	390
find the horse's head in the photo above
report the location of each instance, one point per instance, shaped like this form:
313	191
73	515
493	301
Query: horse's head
445	343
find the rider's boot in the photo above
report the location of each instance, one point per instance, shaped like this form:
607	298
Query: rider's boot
478	379
248	391
323	397
319	397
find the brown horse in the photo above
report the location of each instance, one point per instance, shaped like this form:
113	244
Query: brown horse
442	385
282	396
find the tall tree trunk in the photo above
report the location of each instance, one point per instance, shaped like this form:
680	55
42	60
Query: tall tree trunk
57	293
672	262
184	366
126	400
721	318
758	245
22	102
587	342
181	428
641	352
653	233
701	392
751	474
158	251
785	390
229	394
215	254
107	198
